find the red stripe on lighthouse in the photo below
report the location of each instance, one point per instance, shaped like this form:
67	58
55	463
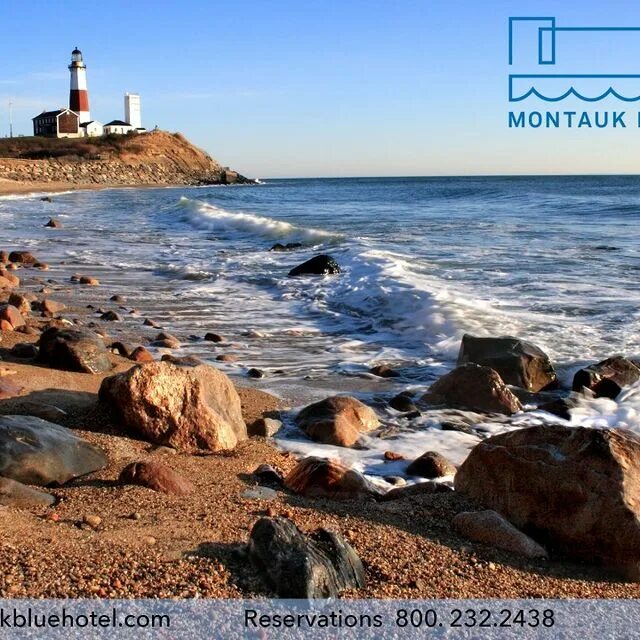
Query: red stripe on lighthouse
79	100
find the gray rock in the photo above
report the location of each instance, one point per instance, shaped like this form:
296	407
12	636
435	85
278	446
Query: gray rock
297	566
16	494
74	350
34	451
264	427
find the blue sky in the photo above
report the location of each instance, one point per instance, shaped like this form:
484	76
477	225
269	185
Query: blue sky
312	88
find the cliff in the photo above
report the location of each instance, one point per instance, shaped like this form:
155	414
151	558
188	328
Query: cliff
150	158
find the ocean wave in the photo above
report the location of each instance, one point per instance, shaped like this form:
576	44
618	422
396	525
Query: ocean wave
203	215
572	91
600	413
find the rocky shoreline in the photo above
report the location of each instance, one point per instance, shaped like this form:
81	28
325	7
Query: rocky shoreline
150	159
153	475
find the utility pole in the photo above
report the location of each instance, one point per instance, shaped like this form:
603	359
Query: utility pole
10	119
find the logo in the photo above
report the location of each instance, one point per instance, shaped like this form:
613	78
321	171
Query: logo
553	63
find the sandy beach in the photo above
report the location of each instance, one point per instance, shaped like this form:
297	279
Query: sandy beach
151	545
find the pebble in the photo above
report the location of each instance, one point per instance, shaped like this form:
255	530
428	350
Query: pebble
92	521
150	540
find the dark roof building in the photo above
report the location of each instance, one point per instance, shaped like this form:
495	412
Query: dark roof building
62	123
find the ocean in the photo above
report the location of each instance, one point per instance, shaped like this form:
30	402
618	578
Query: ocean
553	260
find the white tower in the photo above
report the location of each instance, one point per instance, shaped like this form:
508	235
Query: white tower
79	96
132	111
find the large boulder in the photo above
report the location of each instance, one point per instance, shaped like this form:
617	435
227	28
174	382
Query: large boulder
22	257
518	362
474	387
317	266
607	378
315	477
339	420
571	488
34	451
74	350
188	408
320	565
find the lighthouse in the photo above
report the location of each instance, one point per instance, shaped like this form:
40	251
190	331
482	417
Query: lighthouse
78	95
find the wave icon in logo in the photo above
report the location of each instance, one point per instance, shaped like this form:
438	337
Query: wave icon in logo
538	46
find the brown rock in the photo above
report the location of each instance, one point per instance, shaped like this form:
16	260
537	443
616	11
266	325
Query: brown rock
10	314
213	337
384	371
22	257
11	280
393	456
475	387
518	362
140	354
54	224
320	478
187	408
264	427
493	529
49	307
156	476
226	357
43	266
607	378
575	489
339	420
431	465
20	302
92	282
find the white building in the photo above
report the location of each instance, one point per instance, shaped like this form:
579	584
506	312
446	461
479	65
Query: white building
92	129
132	110
118	127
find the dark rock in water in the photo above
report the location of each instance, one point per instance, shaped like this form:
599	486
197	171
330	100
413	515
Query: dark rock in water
34	451
255	373
74	350
297	566
413	490
46	199
518	362
182	361
16	494
475	387
25	350
489	527
22	257
317	266
403	402
111	316
560	407
213	337
431	465
607	378
574	489
54	224
156	476
339	420
290	246
118	298
384	371
321	478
